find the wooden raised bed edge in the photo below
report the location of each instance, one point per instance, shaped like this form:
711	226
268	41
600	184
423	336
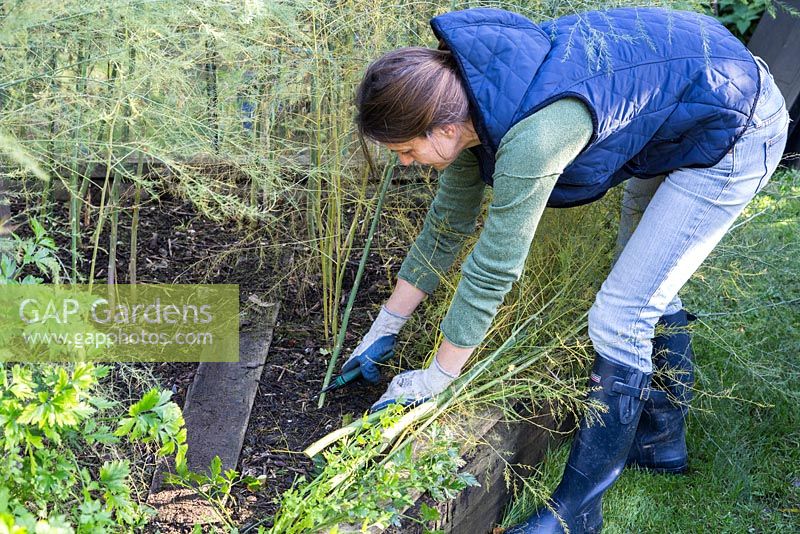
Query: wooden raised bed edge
492	446
522	446
217	412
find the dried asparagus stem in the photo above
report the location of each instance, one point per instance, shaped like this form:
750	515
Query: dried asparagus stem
438	404
384	186
388	435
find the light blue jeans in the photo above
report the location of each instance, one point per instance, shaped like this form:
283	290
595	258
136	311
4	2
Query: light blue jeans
681	218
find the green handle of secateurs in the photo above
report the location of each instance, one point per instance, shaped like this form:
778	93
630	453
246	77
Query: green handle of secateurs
354	374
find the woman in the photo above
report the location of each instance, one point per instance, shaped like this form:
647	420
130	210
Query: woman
557	114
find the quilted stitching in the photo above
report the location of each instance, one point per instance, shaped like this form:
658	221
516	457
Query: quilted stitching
669	88
487	43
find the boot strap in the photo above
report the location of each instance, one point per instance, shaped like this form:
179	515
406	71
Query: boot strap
642	394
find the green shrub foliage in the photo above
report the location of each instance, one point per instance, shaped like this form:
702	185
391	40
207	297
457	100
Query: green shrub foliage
59	438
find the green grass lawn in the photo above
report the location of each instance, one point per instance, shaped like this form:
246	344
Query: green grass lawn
744	427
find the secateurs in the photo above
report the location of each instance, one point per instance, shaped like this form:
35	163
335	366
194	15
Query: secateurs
354	374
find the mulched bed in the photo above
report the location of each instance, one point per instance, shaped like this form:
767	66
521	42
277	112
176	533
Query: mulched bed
178	245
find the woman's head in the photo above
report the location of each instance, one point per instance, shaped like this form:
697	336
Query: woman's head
411	95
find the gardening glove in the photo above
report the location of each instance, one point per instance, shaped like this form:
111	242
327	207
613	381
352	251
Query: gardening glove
377	345
415	387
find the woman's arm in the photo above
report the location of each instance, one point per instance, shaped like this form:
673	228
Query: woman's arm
493	266
449	221
405	298
530	159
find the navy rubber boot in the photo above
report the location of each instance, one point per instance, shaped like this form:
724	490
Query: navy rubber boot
660	442
598	452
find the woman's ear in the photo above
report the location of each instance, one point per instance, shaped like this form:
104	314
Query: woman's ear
449	130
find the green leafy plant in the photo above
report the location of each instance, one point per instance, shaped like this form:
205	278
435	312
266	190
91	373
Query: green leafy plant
18	255
741	16
364	483
155	418
216	486
52	424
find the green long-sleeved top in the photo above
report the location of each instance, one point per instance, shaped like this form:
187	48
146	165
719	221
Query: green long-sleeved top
531	157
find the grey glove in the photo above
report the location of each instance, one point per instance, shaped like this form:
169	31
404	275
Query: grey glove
377	345
415	387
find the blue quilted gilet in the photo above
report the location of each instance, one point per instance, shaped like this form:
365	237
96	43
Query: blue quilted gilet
666	89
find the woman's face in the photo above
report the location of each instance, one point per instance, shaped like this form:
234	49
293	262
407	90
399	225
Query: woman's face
439	149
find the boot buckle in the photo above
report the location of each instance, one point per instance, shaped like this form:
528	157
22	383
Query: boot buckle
620	388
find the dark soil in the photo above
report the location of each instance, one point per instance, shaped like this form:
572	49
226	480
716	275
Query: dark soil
179	245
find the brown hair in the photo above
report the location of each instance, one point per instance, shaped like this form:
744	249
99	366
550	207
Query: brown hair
407	92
